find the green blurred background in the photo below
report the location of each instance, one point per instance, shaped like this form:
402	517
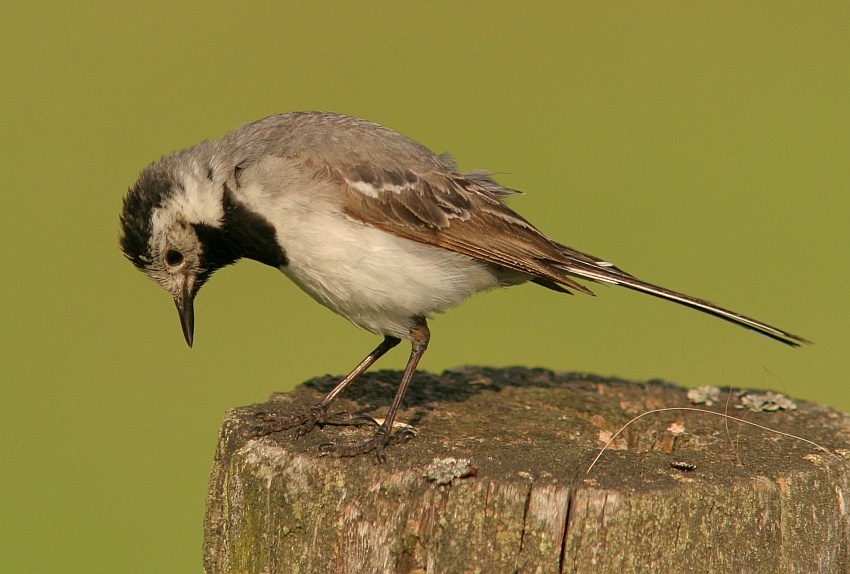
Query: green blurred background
705	148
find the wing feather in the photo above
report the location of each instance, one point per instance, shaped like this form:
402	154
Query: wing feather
461	215
393	183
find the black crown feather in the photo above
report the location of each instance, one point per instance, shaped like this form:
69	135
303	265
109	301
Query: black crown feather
149	193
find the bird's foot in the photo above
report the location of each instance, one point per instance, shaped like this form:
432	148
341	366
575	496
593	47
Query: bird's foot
306	421
303	422
376	443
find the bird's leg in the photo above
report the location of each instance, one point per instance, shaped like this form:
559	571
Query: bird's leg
318	413
419	337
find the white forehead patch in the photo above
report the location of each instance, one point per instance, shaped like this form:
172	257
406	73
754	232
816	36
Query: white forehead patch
195	199
199	201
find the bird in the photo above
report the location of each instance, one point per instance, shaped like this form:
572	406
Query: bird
368	222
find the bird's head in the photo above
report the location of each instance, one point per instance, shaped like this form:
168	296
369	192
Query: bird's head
171	230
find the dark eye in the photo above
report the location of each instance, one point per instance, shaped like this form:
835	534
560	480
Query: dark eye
173	258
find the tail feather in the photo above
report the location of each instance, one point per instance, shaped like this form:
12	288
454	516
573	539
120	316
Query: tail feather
610	274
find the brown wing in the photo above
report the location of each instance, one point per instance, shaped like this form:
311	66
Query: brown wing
463	213
394	183
460	213
391	182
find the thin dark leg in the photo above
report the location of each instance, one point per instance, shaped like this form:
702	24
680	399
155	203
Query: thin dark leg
419	337
318	413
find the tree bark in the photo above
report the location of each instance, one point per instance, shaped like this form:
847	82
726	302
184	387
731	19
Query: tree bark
496	481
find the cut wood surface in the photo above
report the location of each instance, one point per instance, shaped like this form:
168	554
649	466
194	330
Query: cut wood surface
496	481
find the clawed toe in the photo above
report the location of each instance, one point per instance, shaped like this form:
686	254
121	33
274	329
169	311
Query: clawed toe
349	419
375	443
317	415
304	422
401	436
355	448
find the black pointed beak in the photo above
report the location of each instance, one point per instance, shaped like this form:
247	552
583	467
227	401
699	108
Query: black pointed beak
186	309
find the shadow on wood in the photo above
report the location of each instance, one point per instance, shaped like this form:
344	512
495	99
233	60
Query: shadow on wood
670	496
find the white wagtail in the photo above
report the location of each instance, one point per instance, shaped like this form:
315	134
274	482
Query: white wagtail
368	222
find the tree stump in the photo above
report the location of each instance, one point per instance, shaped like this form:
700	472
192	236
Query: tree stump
496	481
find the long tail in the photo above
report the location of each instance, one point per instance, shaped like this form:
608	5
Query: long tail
603	272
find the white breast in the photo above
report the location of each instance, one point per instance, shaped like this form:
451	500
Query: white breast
375	279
